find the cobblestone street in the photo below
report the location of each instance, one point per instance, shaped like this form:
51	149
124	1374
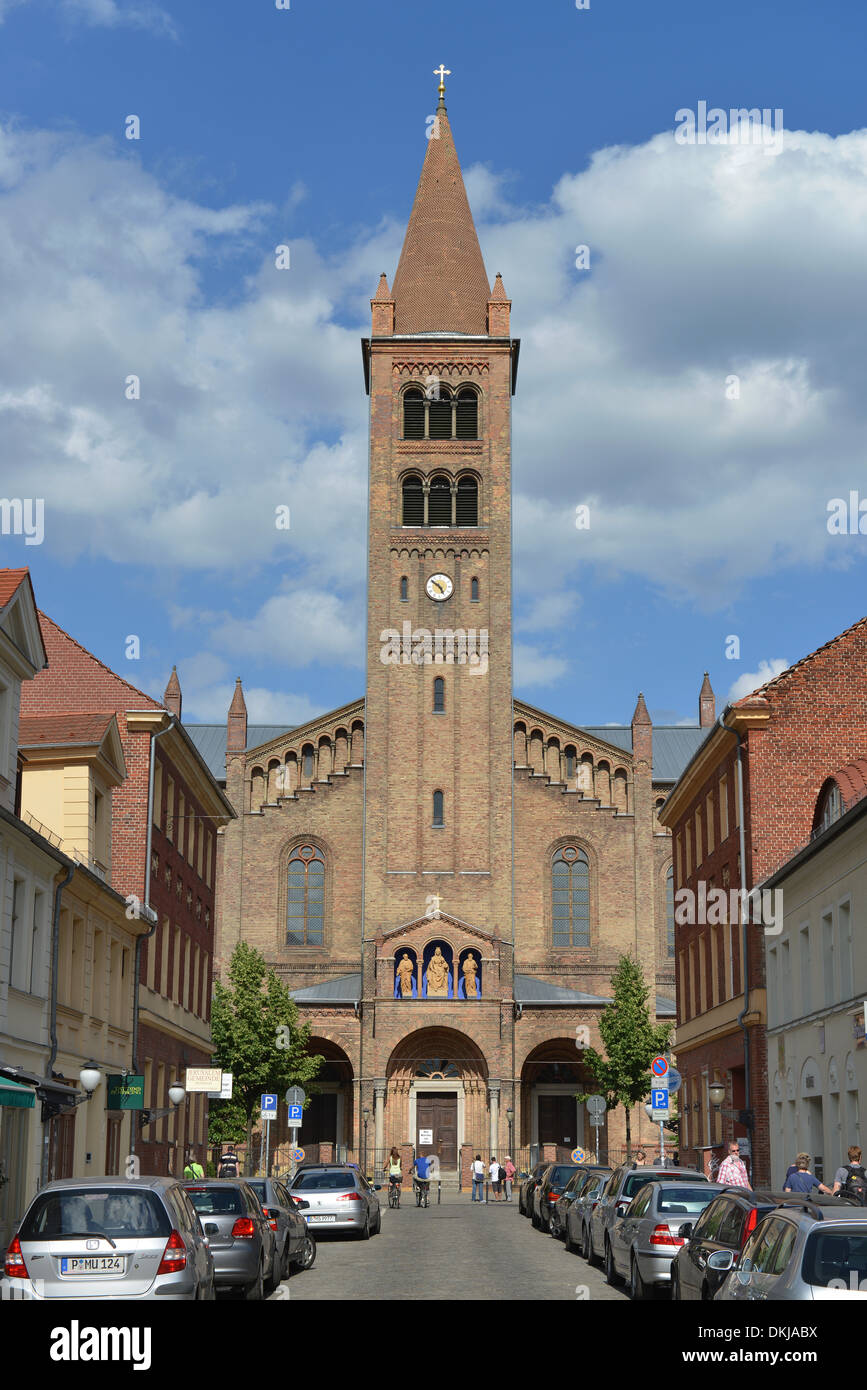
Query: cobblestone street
457	1250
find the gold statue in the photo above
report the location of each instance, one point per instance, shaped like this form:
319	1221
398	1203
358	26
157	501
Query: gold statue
404	976
470	969
438	974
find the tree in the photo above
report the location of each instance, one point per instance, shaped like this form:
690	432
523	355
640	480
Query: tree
631	1041
256	1036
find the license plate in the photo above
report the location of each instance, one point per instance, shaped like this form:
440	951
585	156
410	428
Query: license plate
92	1264
320	1219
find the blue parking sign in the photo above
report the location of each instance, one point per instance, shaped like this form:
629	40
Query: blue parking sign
269	1105
295	1112
659	1099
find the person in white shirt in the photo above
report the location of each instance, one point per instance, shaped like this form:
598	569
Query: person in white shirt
478	1173
494	1172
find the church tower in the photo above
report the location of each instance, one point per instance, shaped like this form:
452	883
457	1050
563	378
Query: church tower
440	368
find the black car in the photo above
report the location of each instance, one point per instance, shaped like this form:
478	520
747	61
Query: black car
547	1192
726	1224
296	1243
525	1191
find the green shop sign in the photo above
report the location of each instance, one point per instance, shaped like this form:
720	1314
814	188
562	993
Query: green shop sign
125	1093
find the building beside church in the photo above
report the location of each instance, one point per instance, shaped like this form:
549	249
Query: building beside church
445	876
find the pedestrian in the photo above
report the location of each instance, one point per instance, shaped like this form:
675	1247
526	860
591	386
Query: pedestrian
640	1156
732	1170
193	1170
511	1170
793	1168
802	1180
851	1179
478	1175
494	1171
229	1163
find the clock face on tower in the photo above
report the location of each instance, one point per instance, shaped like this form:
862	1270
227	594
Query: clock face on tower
439	587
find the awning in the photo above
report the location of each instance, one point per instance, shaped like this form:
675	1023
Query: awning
15	1096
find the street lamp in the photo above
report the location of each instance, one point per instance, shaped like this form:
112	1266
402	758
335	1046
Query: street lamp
176	1095
510	1115
366	1117
90	1077
717	1094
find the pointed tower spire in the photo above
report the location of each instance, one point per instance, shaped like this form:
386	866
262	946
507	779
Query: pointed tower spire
382	308
172	695
236	723
642	731
499	306
706	704
440	285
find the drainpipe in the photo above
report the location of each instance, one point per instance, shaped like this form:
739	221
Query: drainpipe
52	1025
744	944
149	914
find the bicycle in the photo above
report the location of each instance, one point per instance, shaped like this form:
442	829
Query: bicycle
394	1195
422	1188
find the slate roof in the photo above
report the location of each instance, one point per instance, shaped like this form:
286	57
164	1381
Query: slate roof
210	741
346	989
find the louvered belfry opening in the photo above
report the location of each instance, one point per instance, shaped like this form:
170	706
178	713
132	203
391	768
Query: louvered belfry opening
413	502
467	414
439	505
440	415
413	414
467	510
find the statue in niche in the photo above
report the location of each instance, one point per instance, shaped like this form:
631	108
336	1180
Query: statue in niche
470	974
404	976
438	974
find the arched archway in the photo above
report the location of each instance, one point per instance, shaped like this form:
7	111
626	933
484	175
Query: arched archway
436	1097
327	1123
551	1118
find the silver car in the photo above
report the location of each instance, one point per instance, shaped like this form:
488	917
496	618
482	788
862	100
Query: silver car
589	1189
109	1238
339	1199
242	1242
624	1184
811	1248
644	1243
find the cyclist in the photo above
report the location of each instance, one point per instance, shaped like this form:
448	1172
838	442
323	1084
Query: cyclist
395	1172
421	1175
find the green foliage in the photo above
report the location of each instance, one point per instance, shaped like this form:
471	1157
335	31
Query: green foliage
256	1036
631	1041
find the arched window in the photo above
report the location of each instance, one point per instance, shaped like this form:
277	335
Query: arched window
570	898
829	806
467	505
467	414
404	589
474	590
669	911
413	414
413	502
439	693
440	415
305	903
438	811
439	505
569	758
307	756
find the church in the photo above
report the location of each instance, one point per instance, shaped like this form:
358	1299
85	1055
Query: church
443	875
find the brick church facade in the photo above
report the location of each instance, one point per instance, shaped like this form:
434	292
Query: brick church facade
445	876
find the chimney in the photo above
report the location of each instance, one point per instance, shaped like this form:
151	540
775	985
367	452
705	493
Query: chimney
172	695
642	732
236	723
706	704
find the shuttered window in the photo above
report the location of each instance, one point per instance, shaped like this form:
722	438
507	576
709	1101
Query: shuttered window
413	502
467	415
467	510
440	416
439	506
413	415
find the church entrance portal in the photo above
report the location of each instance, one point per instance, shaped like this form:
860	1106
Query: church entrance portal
437	1126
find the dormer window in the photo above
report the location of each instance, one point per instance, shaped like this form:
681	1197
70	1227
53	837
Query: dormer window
440	413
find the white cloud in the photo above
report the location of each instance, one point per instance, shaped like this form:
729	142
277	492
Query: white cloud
751	680
533	667
108	14
297	628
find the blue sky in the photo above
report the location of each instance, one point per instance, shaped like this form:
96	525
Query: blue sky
307	126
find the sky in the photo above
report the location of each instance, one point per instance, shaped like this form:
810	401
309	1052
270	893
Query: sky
694	377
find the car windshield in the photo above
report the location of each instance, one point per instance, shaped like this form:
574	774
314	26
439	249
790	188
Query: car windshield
324	1182
561	1172
837	1258
115	1212
636	1181
683	1201
217	1201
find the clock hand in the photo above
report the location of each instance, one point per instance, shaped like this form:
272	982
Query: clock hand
438	587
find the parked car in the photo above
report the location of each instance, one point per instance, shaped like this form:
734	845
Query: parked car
726	1224
241	1239
624	1184
340	1198
557	1223
547	1192
588	1193
806	1249
296	1243
525	1191
644	1242
109	1238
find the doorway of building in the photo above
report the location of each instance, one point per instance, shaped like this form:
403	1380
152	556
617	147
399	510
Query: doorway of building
436	1126
557	1123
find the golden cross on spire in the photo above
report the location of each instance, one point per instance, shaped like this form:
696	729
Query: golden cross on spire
442	73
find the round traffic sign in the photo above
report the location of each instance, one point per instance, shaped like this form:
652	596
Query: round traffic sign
596	1105
297	1155
659	1066
295	1095
578	1155
674	1080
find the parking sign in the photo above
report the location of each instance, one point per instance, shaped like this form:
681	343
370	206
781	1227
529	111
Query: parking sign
269	1107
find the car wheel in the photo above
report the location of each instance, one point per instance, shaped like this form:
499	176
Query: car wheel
275	1276
589	1252
307	1256
553	1228
378	1227
364	1233
637	1287
255	1292
570	1244
285	1269
675	1287
611	1275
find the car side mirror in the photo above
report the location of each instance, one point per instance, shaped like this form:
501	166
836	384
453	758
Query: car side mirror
721	1261
301	1204
685	1232
621	1208
211	1228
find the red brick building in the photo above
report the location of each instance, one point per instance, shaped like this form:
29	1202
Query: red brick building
446	877
787	738
167	865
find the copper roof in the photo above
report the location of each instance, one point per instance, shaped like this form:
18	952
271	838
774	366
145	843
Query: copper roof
440	284
59	730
